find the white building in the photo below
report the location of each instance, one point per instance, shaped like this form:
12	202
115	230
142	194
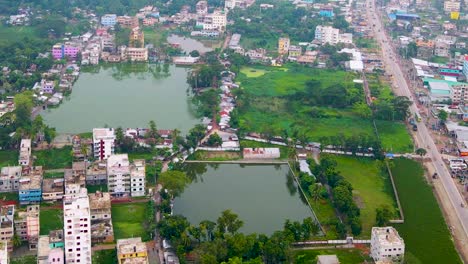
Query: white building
386	244
25	152
214	21
452	6
118	175
230	4
9	179
137	178
459	93
332	36
77	226
103	143
4	253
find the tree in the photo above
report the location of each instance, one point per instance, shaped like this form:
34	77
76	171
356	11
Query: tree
49	134
194	53
153	130
362	110
172	227
119	135
16	240
382	216
315	192
174	181
23	104
214	140
421	152
442	115
229	222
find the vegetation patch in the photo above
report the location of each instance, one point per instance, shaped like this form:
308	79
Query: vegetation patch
10	196
54	158
348	256
95	188
105	256
215	155
24	260
250	72
53	174
394	137
9	158
50	219
424	226
125	226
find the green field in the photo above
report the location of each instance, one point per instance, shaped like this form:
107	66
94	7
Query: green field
427	238
394	137
345	256
128	220
325	213
53	175
372	188
12	34
50	219
105	256
24	260
94	188
54	158
250	72
8	158
11	196
155	36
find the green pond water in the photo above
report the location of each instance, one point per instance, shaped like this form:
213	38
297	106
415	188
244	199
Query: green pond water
263	196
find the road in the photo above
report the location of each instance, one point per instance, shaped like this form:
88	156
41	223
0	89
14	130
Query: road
423	135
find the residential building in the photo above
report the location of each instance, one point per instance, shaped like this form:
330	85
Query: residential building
465	66
386	244
442	49
283	45
78	174
109	20
308	58
127	21
132	250
214	21
231	4
202	7
149	21
295	51
136	54
326	11
256	54
47	253
65	50
30	186
118	175
77	226
47	87
332	36
101	220
96	173
27	225
25	152
261	153
459	94
9	179
137	38
234	42
452	6
137	178
425	48
7	213
52	189
77	148
4	256
103	142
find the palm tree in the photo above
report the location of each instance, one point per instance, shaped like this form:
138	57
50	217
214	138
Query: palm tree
16	240
315	192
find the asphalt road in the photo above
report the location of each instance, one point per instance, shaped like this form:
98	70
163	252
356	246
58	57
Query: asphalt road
422	134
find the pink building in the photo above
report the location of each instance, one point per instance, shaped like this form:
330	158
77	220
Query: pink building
67	50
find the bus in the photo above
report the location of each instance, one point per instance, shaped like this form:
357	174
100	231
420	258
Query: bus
417	116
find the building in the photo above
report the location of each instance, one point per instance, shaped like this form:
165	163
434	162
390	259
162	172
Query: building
459	94
48	253
27	225
101	220
103	142
231	4
214	21
77	226
295	51
149	21
137	38
25	152
30	186
327	259
425	48
96	173
4	256
7	213
283	45
332	36
234	42
132	250
134	54
442	49
465	67
202	8
386	244
118	175
47	86
65	50
127	21
9	179
109	20
137	178
452	6
52	189
77	148
261	153
326	11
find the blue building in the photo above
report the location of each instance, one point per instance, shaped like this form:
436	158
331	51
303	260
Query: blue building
326	12
109	20
30	186
465	67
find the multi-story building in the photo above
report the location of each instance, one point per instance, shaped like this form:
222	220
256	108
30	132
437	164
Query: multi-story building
230	4
52	189
202	8
465	66
30	186
4	256
425	48
65	50
459	93
295	51
452	6
132	250
214	21
25	152
137	178
327	34
77	226
7	231
27	225
109	20
47	86
326	11
118	175
127	21
9	179
442	49
48	252
103	142
96	173
283	45
137	38
386	244
136	54
101	220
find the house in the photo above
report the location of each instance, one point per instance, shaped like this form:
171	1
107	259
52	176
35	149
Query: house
101	220
295	51
103	142
283	45
118	175
425	48
109	20
214	21
127	21
47	250
261	153
132	250
27	225
9	179
47	86
25	152
231	4
326	11
96	173
7	213
387	245
201	7
65	50
52	189
137	178
77	148
30	186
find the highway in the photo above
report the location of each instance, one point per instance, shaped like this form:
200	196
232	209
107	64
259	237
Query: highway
423	135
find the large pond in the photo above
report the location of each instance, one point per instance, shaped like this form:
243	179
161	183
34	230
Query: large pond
127	95
263	196
189	44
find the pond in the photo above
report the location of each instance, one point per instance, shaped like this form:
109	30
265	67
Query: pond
126	95
189	44
263	196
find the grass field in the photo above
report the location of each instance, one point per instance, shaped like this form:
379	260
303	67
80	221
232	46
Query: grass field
12	34
372	188
11	196
394	137
24	260
427	238
325	213
105	256
54	158
155	36
8	158
53	175
125	226
252	72
94	188
345	256
50	219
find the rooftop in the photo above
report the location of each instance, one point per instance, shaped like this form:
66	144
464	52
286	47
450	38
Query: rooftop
130	245
8	172
103	133
31	182
52	185
99	200
387	235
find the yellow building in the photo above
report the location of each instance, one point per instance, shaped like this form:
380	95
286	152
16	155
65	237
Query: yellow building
455	15
283	45
132	250
137	38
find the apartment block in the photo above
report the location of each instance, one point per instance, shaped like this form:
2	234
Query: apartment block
9	179
25	152
4	256
48	252
127	21
27	225
103	142
101	220
30	185
283	45
7	213
202	7
96	173
387	245
132	250
118	175
109	20
137	178
65	50
332	36
459	93
452	6
77	226
53	189
135	54
214	21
